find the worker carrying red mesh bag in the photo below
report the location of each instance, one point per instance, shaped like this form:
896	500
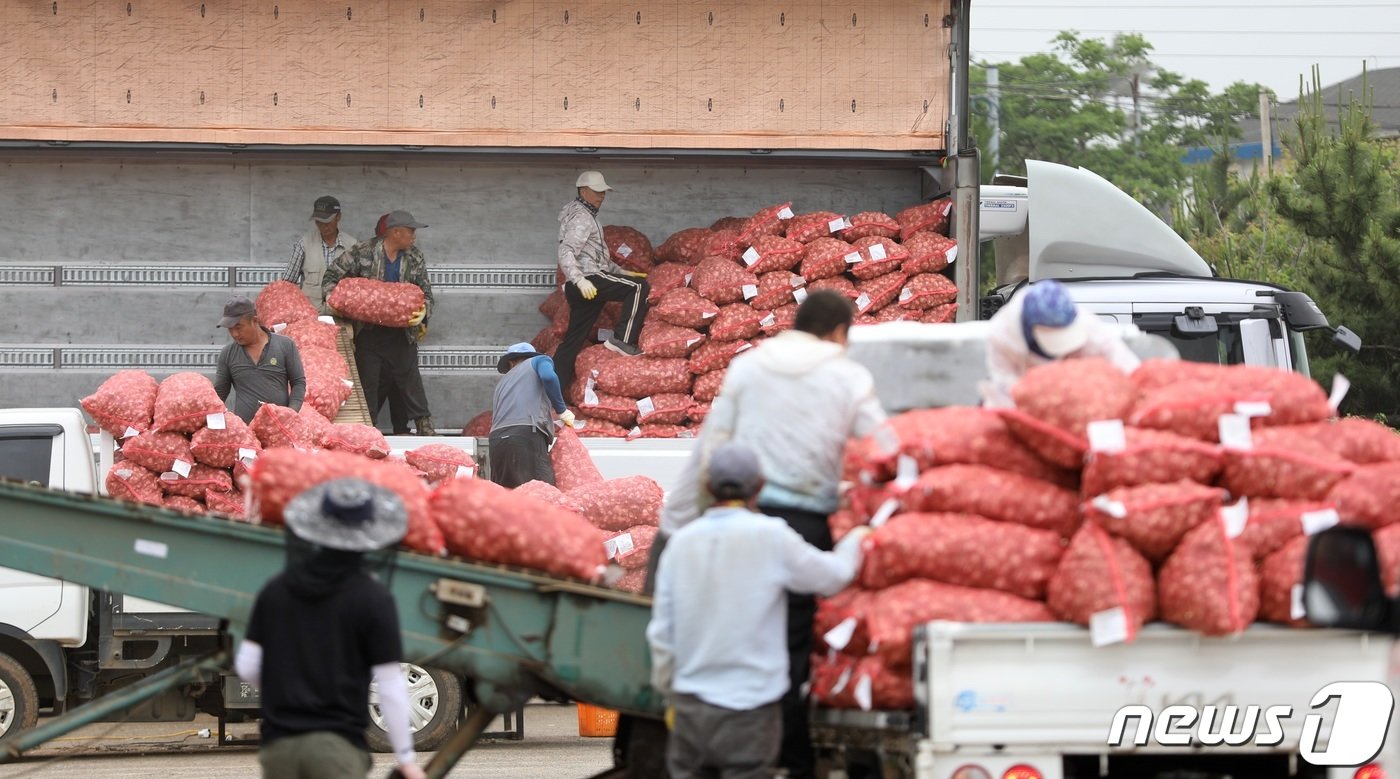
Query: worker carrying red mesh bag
1155	517
484	521
660	339
631	547
1279	463
199	480
929	253
386	303
617	504
1370	497
358	439
158	452
282	303
184	403
826	257
629	248
281	474
573	465
306	333
889	618
130	482
686	247
1064	397
844	682
124	404
441	461
931	217
1103	583
280	427
995	494
639	377
961	549
1209	583
684	307
1145	456
771	253
722	282
223	448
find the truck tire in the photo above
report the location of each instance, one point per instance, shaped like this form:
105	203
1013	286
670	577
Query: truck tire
434	706
19	700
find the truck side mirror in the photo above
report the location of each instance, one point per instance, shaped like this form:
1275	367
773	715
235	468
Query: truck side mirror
1342	581
1346	339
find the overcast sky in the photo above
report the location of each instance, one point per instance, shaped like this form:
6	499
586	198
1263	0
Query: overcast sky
1270	42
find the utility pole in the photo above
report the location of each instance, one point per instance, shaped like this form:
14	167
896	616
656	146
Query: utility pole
1266	131
994	115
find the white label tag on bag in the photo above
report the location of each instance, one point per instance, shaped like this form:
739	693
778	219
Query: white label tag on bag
1296	609
247	455
131	432
1236	516
853	258
604	334
906	472
619	545
750	291
1253	408
624	251
708	314
279	327
1107	435
841	681
465	471
646	406
1109	626
1340	386
883	514
348	383
863	302
1318	521
905	294
1111	507
750	256
768	321
688	277
693	341
951	254
181	467
864	693
590	395
744	347
799	294
1235	433
215	421
330	320
839	637
877	251
947	207
837	225
785	213
795	281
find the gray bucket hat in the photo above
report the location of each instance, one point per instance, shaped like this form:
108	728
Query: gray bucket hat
350	515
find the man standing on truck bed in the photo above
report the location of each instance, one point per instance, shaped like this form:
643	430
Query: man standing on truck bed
522	427
1041	325
390	350
717	639
317	249
593	280
320	630
795	400
259	365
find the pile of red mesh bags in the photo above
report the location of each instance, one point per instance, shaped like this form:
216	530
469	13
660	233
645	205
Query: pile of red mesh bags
387	303
125	404
282	303
441	461
222	448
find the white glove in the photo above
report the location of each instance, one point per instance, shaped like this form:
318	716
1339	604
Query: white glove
586	288
567	417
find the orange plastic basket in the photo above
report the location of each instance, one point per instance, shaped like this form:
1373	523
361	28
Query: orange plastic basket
596	722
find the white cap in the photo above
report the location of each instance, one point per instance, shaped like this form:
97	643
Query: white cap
1061	341
593	180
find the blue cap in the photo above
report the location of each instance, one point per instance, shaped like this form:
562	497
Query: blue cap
521	350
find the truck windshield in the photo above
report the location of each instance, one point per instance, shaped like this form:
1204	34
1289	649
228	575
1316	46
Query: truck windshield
1222	348
26	458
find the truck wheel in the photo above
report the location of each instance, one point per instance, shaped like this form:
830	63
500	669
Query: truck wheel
434	704
19	701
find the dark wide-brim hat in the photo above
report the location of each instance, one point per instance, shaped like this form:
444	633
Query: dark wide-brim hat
350	515
520	351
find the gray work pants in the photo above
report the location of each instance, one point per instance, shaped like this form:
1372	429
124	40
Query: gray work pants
318	755
715	742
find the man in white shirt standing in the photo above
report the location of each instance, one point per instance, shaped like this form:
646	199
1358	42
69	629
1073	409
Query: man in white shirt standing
718	630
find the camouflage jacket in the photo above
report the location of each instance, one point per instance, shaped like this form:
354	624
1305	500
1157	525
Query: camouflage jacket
366	260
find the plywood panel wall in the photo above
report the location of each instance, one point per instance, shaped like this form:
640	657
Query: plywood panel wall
862	74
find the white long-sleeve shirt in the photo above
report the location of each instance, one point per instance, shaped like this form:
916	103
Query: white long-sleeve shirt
718	626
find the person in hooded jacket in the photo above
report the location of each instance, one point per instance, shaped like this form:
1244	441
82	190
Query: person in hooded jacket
795	400
1041	325
320	630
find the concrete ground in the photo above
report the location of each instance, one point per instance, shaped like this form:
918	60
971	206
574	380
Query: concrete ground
552	748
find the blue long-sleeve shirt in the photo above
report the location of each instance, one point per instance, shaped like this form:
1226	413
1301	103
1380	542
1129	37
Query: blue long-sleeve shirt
544	368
